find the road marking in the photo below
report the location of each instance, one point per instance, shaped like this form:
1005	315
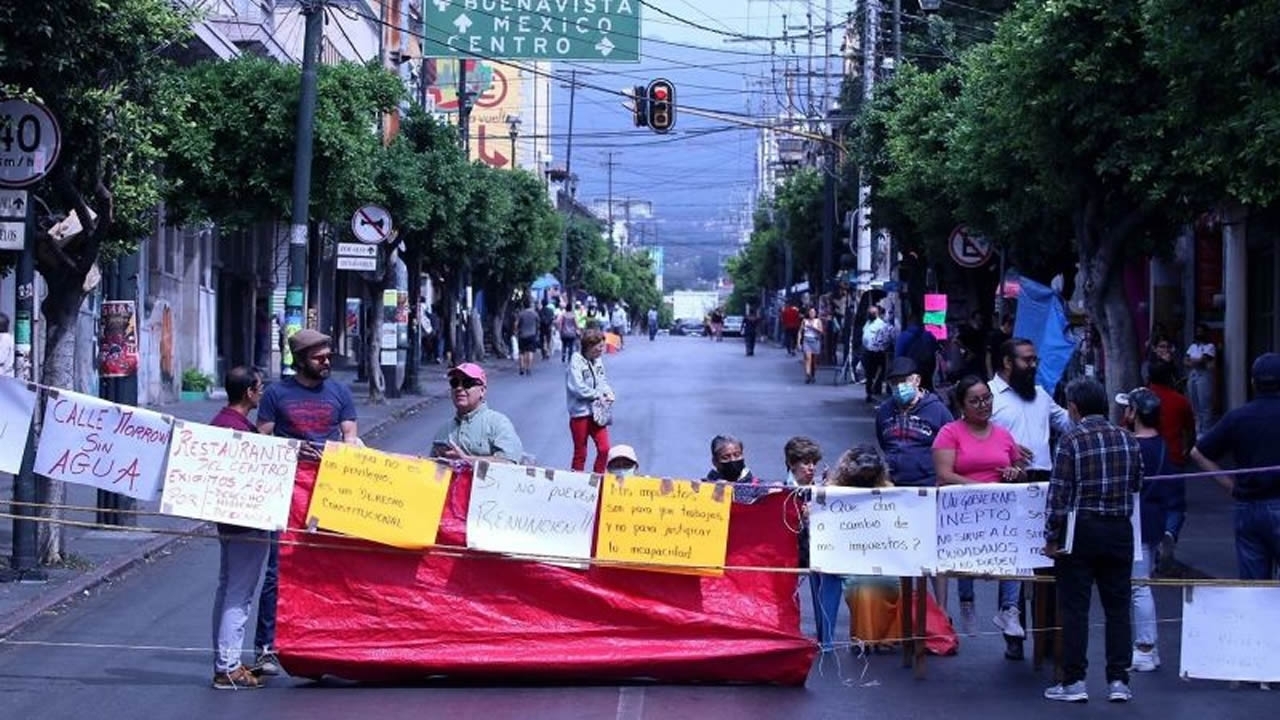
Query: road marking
630	703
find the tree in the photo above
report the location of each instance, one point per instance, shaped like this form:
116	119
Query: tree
756	268
100	68
799	201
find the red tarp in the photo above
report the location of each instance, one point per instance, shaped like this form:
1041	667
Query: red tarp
395	616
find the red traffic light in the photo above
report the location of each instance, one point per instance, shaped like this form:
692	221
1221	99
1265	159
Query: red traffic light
660	93
661	110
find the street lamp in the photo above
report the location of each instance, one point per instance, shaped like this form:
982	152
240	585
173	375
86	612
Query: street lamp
930	5
513	132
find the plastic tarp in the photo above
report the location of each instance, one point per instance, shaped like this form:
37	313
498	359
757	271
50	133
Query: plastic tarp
360	611
1042	319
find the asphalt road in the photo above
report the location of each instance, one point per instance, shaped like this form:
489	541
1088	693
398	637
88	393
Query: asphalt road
138	647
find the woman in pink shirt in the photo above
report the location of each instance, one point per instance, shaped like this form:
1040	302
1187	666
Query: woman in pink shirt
975	450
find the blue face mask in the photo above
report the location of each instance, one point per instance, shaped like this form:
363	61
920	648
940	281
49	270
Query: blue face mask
905	394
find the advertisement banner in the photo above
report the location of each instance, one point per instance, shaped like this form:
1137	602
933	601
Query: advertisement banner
118	343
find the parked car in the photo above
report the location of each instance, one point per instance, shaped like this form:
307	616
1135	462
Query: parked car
688	327
733	326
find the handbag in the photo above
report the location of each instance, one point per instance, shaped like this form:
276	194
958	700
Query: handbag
601	409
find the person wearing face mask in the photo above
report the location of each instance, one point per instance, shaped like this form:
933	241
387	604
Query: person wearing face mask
727	461
622	461
907	424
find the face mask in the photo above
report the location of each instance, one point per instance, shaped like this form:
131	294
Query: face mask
624	472
904	393
731	470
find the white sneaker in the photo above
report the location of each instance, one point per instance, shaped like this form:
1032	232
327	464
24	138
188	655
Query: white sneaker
1009	620
1118	692
968	619
1145	661
1075	692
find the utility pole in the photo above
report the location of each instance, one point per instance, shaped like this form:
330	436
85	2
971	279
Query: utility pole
120	284
313	12
464	110
609	164
871	38
568	181
24	565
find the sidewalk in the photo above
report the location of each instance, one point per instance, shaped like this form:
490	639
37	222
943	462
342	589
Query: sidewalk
94	556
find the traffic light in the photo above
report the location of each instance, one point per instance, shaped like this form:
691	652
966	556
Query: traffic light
640	105
661	97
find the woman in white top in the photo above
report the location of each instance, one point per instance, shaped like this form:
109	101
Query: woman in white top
1201	361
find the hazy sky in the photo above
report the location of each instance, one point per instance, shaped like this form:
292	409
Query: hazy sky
703	171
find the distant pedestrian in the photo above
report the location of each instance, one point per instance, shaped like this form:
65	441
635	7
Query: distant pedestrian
810	341
1202	362
546	321
242	552
1096	471
790	320
875	343
651	319
526	332
311	407
590	400
717	324
568	326
476	431
750	326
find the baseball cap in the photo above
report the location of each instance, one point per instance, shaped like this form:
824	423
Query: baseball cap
1140	399
1266	369
622	452
307	339
471	370
901	367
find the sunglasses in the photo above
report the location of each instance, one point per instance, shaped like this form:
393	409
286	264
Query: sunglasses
464	383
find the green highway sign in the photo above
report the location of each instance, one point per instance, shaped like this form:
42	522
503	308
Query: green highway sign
594	30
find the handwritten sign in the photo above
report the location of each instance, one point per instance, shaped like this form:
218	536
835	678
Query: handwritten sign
985	529
675	523
238	478
388	499
1224	633
889	531
1032	498
517	509
17	402
89	441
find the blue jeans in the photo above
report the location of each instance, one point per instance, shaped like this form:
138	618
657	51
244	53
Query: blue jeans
264	635
1010	592
1258	538
826	591
241	557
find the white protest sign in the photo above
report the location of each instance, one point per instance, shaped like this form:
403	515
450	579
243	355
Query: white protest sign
1225	633
17	402
979	529
89	441
238	478
518	509
1032	511
889	531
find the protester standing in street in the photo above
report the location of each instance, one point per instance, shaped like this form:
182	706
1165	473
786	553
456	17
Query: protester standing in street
1202	362
476	431
526	332
310	407
590	399
1096	471
1178	428
242	551
907	424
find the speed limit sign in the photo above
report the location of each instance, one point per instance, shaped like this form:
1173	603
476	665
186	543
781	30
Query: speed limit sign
29	142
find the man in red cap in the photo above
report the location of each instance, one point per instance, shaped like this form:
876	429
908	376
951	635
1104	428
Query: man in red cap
476	431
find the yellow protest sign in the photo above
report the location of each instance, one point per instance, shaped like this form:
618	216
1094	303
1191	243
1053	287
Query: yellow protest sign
676	523
389	499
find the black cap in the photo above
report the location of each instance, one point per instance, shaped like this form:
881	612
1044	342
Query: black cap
1266	369
901	367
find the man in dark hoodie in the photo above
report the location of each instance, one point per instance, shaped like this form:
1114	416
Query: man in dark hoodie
906	425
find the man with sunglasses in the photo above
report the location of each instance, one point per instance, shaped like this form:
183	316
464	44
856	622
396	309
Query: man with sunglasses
476	431
310	407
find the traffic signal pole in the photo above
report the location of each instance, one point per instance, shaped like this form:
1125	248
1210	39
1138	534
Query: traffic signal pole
313	12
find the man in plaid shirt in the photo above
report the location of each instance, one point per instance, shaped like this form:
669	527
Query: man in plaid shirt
1096	471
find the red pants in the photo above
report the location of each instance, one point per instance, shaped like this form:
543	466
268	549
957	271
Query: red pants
581	428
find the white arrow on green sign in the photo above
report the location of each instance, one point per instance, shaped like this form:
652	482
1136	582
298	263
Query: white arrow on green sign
596	30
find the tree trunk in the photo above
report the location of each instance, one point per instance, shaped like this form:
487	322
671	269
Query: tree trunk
61	310
1102	274
413	360
501	346
373	342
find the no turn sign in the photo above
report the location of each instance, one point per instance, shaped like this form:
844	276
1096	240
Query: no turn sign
371	224
968	250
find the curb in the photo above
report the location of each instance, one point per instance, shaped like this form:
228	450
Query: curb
121	564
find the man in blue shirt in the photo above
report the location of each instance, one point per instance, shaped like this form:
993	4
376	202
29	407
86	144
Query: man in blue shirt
1251	434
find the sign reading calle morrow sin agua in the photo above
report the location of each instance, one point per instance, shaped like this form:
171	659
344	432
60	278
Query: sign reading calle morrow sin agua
596	30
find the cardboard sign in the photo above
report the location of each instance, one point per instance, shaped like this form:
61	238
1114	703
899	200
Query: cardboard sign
1228	633
372	495
531	511
89	441
671	523
989	529
17	403
221	475
888	531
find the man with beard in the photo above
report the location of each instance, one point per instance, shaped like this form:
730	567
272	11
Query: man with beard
1029	413
314	409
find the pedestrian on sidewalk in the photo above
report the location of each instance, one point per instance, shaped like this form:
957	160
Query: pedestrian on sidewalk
1096	471
790	320
567	323
810	340
242	552
476	431
546	321
311	407
590	401
1202	362
525	329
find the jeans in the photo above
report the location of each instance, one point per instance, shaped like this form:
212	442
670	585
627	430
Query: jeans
826	591
1144	603
242	556
749	339
580	428
1200	393
1009	593
1258	538
653	331
873	366
264	636
1103	555
567	344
